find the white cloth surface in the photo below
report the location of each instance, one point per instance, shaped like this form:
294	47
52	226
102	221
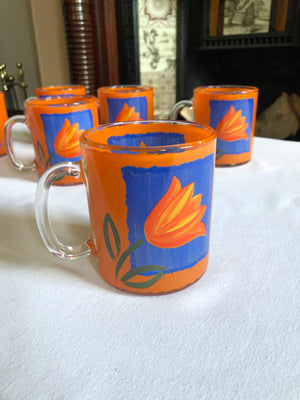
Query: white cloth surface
65	334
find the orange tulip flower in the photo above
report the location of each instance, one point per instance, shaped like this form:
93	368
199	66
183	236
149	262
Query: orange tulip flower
66	143
128	114
232	126
176	218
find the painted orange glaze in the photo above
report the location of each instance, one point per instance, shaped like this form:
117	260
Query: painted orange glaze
233	126
3	119
124	93
103	166
37	108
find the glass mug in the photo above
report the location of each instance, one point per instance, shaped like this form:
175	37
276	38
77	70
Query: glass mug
231	112
55	125
149	187
125	103
3	119
60	91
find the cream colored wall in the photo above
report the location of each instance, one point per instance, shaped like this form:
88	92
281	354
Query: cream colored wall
50	39
32	31
17	41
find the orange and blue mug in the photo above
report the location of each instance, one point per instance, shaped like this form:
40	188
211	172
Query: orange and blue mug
231	111
125	103
149	188
60	91
55	125
3	119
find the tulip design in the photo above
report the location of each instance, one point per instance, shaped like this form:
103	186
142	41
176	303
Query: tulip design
128	114
232	126
66	143
176	218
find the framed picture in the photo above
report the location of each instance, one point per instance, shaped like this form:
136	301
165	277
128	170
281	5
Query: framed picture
242	17
246	16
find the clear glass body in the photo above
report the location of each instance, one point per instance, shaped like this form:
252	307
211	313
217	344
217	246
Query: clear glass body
149	188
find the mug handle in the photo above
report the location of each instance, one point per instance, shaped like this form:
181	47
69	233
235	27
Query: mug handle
61	250
178	106
9	143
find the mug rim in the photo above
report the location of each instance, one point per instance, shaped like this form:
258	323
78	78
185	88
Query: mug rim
51	101
115	88
217	89
60	87
211	135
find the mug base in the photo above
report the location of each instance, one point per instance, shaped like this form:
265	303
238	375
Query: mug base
169	283
163	293
232	165
231	160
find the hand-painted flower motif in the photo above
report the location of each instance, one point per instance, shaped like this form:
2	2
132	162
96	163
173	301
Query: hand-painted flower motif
232	126
176	218
128	114
66	143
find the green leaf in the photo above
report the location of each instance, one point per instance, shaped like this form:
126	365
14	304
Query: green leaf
127	253
139	270
117	244
40	152
60	176
145	284
219	154
48	161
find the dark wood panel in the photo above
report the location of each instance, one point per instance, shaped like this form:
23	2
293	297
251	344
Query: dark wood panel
90	27
128	41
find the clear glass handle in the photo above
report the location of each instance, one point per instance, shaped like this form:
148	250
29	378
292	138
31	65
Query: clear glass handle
178	106
51	241
9	143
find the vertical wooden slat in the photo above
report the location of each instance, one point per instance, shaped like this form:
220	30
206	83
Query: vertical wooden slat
128	41
81	42
91	33
107	57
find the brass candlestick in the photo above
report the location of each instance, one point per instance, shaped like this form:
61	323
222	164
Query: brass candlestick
9	85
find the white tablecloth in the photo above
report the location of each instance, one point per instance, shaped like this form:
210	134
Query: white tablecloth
65	334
